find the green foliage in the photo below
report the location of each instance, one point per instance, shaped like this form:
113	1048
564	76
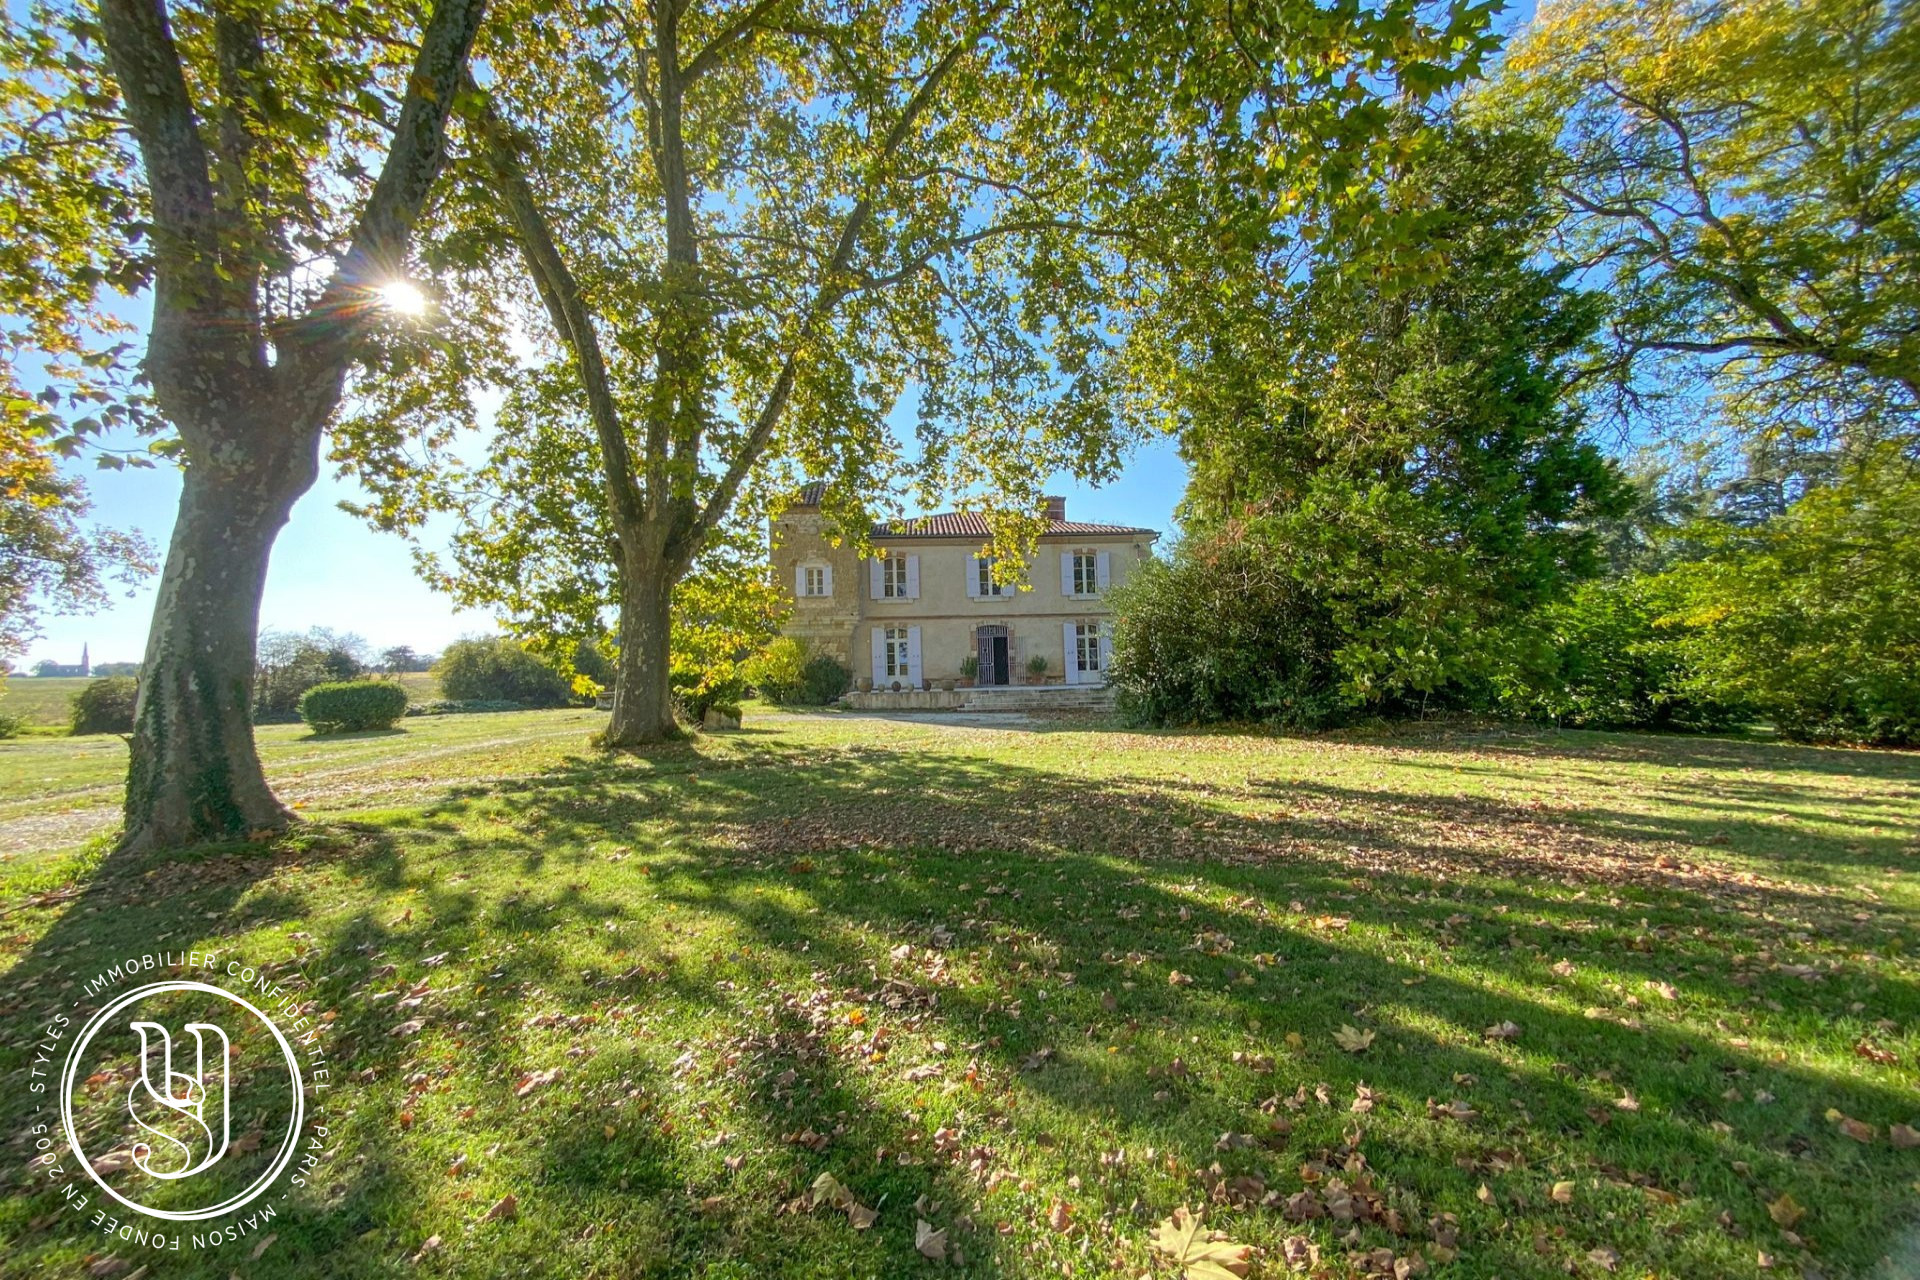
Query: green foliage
1223	632
1811	619
498	669
778	670
1402	446
49	558
1037	665
970	666
353	706
696	689
11	725
288	665
1741	174
105	706
1603	660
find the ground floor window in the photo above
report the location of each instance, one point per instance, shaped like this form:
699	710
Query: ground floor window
1087	656
898	664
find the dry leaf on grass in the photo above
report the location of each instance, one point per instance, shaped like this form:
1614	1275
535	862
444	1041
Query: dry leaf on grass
1202	1259
505	1208
534	1080
931	1243
1786	1211
1352	1039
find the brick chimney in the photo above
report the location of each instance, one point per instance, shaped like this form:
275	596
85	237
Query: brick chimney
1056	508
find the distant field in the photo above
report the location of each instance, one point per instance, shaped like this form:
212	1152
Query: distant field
47	700
40	699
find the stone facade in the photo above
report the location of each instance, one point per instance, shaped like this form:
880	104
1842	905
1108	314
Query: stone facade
915	611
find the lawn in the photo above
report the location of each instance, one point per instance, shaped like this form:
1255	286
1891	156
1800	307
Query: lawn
1465	1004
47	701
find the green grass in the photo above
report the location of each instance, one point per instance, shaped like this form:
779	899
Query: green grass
947	959
41	700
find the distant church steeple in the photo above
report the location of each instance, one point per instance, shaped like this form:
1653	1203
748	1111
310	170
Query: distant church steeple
86	663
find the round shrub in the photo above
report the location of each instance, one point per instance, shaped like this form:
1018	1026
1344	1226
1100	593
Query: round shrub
353	705
496	669
10	726
823	680
106	706
778	671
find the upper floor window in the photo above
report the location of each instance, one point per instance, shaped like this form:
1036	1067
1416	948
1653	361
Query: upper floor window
985	584
813	580
893	577
1086	573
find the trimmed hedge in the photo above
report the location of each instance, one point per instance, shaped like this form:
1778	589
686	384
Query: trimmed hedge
353	705
106	706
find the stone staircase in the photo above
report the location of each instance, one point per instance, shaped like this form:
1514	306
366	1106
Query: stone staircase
1041	700
1038	699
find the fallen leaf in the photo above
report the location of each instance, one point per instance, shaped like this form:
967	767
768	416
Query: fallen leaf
1563	1193
1904	1137
1786	1210
1352	1039
1605	1257
528	1083
1503	1031
1179	1238
505	1208
931	1244
261	1248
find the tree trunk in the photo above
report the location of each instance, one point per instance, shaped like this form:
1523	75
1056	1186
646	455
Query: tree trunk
642	697
194	774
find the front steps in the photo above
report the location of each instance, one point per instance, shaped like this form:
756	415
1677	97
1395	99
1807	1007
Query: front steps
1043	699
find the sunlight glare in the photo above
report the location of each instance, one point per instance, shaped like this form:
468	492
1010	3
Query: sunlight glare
403	297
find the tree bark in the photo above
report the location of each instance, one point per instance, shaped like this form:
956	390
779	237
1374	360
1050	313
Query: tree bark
642	693
194	774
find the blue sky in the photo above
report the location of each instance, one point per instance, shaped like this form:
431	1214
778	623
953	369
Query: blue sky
331	570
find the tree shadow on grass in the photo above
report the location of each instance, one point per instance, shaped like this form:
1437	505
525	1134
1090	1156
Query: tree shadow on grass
688	939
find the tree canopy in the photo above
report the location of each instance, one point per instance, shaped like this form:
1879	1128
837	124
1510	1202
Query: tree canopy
1740	175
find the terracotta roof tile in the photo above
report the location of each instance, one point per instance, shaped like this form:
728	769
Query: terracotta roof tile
971	524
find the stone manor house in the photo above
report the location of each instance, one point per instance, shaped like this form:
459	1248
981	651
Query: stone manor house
908	616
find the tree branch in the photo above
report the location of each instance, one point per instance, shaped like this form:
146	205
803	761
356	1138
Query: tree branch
561	296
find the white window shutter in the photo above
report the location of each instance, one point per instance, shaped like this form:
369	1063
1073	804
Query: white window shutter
1066	573
1102	567
913	655
973	577
879	656
799	581
1106	649
826	579
913	577
1067	638
875	568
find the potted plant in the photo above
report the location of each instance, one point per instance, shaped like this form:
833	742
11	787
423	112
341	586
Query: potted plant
1037	669
969	670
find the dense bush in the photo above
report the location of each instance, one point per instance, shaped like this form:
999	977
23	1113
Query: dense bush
777	670
352	706
496	669
785	673
1223	632
289	665
696	689
105	706
10	726
1811	619
1604	659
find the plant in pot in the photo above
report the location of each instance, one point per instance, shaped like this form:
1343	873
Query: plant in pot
969	670
1037	669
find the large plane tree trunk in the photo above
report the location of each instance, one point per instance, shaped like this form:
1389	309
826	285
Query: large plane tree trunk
642	693
194	774
249	393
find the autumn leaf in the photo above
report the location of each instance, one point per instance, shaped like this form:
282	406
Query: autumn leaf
1179	1238
1503	1031
1563	1193
506	1207
1904	1137
1352	1039
1786	1211
931	1244
534	1080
